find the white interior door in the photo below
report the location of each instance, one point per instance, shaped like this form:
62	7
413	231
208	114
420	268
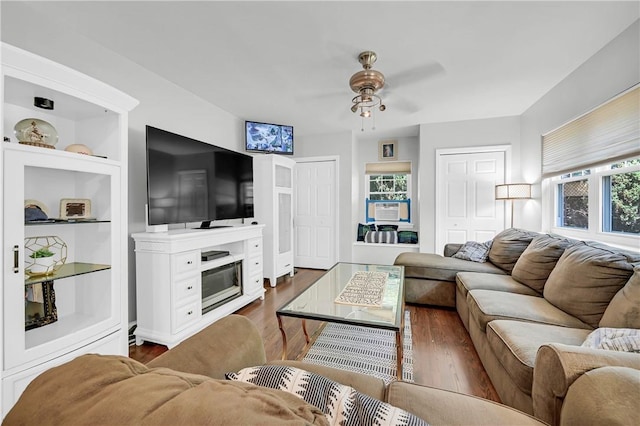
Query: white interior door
466	206
315	223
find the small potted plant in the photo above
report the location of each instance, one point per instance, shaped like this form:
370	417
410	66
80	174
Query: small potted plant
43	261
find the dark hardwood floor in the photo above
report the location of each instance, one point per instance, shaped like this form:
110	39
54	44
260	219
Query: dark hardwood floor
443	355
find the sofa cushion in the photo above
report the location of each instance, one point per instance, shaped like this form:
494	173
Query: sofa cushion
538	260
586	277
489	305
624	309
443	407
341	404
516	343
467	281
116	390
603	396
507	247
436	267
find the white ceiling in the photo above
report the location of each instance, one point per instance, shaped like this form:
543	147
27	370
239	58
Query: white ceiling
290	62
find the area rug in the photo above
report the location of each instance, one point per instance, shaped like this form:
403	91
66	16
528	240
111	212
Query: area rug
363	350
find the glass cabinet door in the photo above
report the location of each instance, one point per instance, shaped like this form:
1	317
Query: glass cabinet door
283	176
285	228
68	304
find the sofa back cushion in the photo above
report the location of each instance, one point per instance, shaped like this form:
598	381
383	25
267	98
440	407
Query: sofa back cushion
624	309
507	247
586	278
538	260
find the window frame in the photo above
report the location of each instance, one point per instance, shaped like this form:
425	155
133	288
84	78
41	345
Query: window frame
367	196
596	208
367	183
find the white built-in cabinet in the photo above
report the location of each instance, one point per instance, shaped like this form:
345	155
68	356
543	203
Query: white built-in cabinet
273	206
91	286
169	270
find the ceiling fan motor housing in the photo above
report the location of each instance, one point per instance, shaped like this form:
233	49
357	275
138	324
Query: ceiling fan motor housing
367	79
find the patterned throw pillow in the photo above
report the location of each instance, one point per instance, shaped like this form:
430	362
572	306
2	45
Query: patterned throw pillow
614	339
387	227
474	251
341	404
408	237
363	229
387	237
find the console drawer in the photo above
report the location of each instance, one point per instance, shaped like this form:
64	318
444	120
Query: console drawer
254	247
186	315
188	262
186	289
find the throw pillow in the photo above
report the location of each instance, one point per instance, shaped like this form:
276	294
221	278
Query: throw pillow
387	237
538	260
474	251
586	277
507	247
408	237
363	229
614	339
341	404
624	309
387	227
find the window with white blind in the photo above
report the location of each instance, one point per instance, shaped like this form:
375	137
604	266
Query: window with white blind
593	164
389	181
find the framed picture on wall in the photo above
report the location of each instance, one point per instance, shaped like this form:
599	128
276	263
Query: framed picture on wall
388	150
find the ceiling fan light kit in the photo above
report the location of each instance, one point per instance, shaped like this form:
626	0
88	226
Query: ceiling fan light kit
366	84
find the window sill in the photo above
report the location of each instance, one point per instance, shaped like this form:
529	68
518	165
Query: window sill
398	245
626	242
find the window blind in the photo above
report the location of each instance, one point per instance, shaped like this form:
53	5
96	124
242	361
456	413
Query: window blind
607	133
395	167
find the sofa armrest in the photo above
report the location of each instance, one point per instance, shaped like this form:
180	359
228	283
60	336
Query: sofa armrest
557	367
451	248
230	344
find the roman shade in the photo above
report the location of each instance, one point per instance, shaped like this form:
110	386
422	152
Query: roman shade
395	167
607	133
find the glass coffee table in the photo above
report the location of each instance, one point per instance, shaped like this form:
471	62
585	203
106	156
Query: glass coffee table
374	298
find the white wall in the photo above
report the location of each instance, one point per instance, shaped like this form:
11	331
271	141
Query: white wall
613	69
460	134
162	103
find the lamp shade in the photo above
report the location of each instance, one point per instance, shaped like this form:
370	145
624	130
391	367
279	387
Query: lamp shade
513	191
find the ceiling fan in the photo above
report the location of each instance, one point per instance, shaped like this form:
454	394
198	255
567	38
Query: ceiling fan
366	84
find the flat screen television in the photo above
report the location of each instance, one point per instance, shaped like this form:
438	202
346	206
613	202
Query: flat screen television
268	137
193	181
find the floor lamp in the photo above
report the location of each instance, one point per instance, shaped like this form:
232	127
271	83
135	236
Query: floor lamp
513	191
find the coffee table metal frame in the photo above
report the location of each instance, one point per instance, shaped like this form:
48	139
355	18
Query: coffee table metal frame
317	302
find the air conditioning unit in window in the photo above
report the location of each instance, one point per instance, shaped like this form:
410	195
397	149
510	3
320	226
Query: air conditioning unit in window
387	212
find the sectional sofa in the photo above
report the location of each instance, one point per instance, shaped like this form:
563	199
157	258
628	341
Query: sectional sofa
531	306
186	385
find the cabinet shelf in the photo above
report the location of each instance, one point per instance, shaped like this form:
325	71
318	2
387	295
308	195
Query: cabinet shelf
62	327
67	270
63	222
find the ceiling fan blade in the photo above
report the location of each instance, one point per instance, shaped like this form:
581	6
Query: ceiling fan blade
394	101
418	74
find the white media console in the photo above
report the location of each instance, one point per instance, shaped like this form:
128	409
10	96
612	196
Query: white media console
169	272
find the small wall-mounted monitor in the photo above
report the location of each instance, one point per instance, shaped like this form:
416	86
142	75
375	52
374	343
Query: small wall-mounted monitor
268	137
